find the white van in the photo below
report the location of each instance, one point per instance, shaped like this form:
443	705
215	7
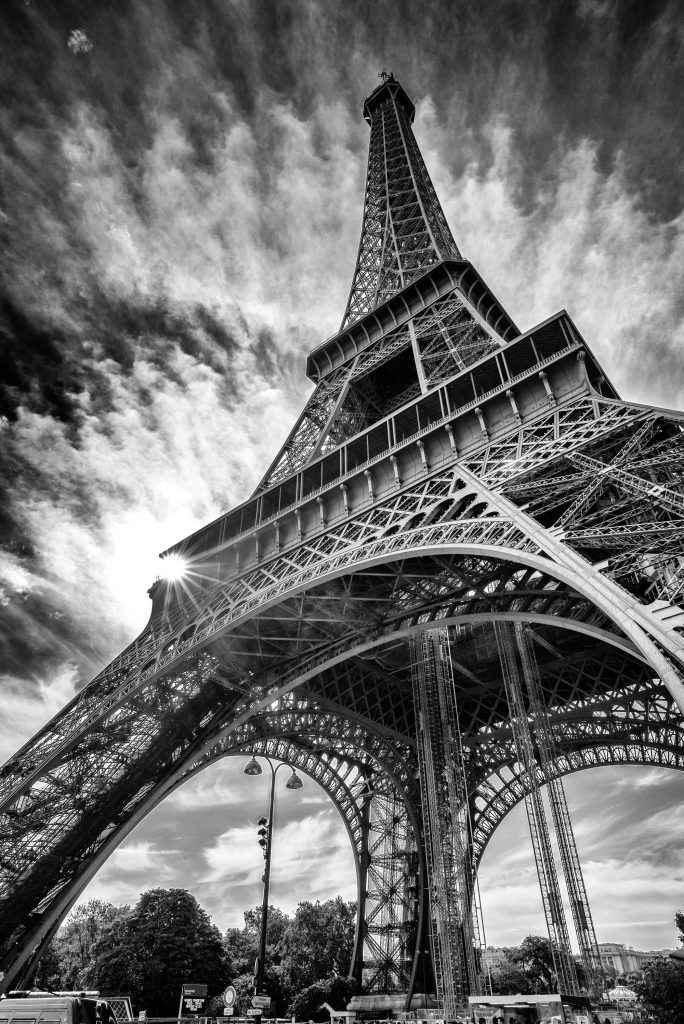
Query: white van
45	1008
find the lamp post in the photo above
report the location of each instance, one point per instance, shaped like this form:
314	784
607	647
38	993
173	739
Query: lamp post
266	842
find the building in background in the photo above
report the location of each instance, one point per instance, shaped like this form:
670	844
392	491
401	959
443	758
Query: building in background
626	960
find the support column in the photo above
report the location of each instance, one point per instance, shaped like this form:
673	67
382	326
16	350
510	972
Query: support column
360	937
389	916
526	752
567	847
445	822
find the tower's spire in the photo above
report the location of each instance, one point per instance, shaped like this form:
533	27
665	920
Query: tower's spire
404	228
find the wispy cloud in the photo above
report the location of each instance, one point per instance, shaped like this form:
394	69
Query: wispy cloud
630	853
312	860
23	715
584	242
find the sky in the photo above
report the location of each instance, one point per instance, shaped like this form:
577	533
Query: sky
181	192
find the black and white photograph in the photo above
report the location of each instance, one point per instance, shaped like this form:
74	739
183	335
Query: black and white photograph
342	511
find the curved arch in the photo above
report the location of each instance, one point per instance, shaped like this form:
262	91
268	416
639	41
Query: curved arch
601	593
279	742
498	538
224	613
197	674
643	726
515	791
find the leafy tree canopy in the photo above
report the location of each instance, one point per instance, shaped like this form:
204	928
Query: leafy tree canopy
68	961
320	942
535	957
679	921
242	944
312	947
508	977
165	941
662	991
308	1004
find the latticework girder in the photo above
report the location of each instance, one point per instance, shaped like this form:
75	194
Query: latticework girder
446	821
565	836
526	753
446	472
404	230
439	340
393	878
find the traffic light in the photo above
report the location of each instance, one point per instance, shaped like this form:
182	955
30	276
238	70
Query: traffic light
263	832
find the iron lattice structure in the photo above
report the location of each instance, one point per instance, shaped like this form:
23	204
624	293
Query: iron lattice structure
448	473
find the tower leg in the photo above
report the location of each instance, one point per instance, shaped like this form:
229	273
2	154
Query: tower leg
389	939
572	868
536	816
445	822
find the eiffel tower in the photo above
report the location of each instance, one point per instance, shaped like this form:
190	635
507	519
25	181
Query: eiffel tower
456	583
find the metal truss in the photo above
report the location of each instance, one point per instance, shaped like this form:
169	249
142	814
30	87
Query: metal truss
447	473
417	584
445	822
606	713
423	353
390	928
404	229
621	498
447	336
554	913
572	869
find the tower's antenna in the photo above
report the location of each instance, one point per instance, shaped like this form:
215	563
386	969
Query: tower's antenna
386	75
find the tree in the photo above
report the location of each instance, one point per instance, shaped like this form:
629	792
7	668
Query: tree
165	941
242	944
507	978
49	970
535	956
661	990
67	963
320	942
611	974
679	921
242	949
308	1004
313	947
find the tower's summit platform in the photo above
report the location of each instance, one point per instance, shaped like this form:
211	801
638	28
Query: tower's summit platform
389	88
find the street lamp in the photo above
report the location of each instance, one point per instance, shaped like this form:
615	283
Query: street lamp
265	842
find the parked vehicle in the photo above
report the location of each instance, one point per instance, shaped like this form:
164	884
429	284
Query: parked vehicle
30	1007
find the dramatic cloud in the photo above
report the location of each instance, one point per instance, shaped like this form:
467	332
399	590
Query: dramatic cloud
585	244
187	841
628	829
22	716
312	860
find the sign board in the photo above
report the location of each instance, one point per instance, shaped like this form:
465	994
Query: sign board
262	1001
193	998
229	996
228	1011
193	1005
254	1013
